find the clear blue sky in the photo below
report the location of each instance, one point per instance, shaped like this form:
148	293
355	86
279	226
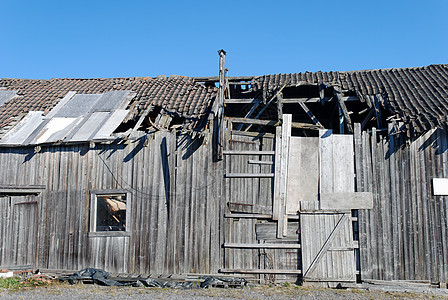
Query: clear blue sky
49	39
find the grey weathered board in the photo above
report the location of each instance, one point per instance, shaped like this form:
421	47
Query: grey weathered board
405	235
303	172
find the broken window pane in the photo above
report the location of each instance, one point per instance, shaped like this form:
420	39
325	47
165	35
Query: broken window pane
111	212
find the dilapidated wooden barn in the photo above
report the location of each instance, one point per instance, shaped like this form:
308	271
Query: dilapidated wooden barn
317	177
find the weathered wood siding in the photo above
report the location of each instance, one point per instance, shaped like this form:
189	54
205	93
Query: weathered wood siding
404	236
176	206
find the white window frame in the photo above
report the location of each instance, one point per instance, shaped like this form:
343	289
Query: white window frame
93	209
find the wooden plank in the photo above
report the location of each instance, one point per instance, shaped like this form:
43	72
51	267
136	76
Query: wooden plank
253	134
248	152
276	205
260	162
256	216
249	175
358	200
253	121
262	246
260	271
281	170
303	172
268	231
343	164
326	172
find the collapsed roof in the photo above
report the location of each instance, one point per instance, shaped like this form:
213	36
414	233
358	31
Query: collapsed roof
76	110
418	96
82	110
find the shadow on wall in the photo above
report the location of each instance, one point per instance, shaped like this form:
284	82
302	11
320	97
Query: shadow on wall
437	140
189	145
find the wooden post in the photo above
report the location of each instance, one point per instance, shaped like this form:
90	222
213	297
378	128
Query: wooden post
283	135
280	106
220	114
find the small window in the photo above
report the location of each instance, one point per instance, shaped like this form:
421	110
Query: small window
109	211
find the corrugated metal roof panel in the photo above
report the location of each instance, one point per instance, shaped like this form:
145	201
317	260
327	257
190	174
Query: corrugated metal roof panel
22	131
110	101
55	130
90	127
111	124
79	105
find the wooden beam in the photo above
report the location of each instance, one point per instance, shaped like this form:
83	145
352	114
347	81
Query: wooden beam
280	106
343	201
277	170
282	138
220	114
21	189
256	216
247	216
291	100
377	110
337	94
341	120
367	119
216	78
253	134
249	175
322	92
262	246
260	271
310	114
305	126
269	102
248	152
272	123
249	113
253	121
260	162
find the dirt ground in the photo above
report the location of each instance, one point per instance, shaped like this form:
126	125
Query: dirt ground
90	291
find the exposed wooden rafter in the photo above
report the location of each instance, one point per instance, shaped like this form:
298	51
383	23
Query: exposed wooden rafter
338	95
310	114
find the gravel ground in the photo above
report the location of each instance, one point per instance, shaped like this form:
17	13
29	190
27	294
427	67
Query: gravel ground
89	291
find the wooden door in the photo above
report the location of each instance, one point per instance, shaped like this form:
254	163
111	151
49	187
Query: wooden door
18	230
327	247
